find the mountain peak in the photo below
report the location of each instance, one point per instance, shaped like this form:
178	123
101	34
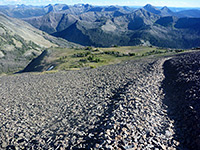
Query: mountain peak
50	5
148	6
165	8
166	11
152	9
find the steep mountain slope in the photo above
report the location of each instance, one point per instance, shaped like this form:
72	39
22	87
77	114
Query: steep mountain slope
52	22
141	19
165	11
188	23
57	19
20	42
166	21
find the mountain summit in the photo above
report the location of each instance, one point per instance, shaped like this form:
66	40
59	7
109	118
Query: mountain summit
166	11
152	9
165	8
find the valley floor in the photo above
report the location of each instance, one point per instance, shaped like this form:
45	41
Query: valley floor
122	106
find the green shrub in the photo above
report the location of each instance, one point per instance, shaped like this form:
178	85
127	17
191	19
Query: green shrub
62	59
131	54
96	50
83	60
88	48
79	65
115	45
91	58
179	50
153	52
114	53
84	54
92	67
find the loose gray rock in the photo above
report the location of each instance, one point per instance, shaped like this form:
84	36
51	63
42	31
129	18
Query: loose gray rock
112	107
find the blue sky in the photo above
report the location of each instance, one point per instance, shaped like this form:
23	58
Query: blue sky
171	3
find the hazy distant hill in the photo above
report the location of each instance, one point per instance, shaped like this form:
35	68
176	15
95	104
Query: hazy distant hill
20	42
193	13
22	11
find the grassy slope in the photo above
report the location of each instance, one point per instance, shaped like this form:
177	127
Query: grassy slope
73	59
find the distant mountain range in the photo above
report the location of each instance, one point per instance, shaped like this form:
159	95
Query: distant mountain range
114	25
26	11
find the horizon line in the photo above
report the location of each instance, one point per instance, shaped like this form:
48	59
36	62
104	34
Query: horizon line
93	5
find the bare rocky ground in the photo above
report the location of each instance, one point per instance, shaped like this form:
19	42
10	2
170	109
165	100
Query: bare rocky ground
182	96
112	107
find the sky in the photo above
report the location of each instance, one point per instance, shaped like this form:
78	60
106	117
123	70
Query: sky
169	3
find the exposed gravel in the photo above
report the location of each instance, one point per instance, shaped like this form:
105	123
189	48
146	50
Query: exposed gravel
117	106
182	95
